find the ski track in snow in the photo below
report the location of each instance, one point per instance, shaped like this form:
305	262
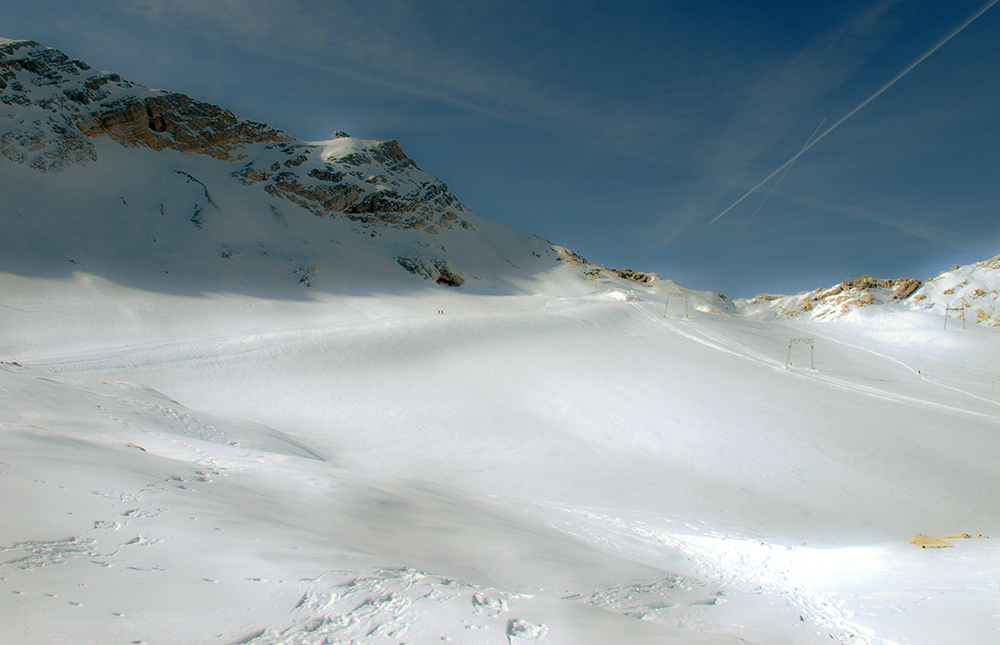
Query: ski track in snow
699	334
753	566
408	604
739	565
919	374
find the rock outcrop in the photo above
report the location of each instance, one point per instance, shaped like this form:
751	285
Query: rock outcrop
905	288
47	146
596	270
60	105
856	291
177	122
369	182
436	271
68	103
971	291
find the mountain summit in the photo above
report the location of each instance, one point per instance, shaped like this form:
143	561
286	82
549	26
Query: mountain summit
131	182
65	104
156	189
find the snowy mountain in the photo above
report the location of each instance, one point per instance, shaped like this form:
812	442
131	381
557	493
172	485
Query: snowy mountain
969	293
170	178
265	391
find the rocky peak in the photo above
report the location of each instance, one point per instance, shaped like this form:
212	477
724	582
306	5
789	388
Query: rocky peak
833	302
369	182
47	66
971	291
175	121
57	105
595	271
66	102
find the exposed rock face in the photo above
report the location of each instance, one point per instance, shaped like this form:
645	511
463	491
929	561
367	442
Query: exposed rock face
572	257
369	182
906	288
320	199
864	282
47	149
595	270
177	122
632	276
72	103
434	270
971	292
61	104
856	291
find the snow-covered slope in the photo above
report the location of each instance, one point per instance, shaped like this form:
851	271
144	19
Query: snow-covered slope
964	292
242	403
972	290
94	162
559	465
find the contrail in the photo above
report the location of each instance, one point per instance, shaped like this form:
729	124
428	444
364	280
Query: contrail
868	100
787	168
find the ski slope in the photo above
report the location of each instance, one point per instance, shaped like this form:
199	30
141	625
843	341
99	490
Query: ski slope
582	464
265	391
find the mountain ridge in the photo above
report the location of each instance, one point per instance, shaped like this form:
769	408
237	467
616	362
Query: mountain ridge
970	292
384	216
60	112
106	105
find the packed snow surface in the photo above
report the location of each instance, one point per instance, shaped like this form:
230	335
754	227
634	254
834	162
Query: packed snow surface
433	465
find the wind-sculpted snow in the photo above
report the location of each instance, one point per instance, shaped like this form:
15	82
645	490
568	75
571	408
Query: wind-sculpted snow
42	553
176	520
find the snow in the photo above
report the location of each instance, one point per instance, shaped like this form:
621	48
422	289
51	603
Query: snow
968	293
972	288
365	467
228	419
334	149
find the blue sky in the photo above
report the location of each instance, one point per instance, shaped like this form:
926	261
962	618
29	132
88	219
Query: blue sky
619	129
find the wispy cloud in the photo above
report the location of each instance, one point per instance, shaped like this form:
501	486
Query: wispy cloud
798	91
632	123
517	65
457	55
